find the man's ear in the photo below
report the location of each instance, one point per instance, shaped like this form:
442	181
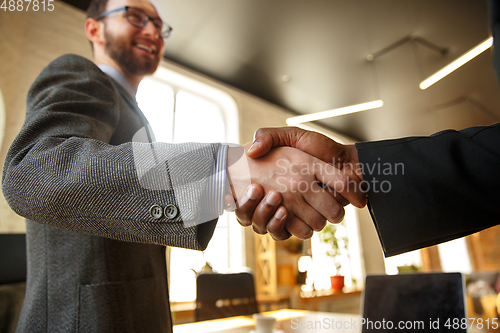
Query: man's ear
93	30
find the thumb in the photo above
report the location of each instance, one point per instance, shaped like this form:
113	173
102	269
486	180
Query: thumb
267	138
262	142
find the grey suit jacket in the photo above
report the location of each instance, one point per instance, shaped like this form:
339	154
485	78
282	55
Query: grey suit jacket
95	257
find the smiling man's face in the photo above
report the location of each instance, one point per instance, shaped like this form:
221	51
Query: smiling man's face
137	51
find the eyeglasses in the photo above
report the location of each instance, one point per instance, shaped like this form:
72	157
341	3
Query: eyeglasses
138	18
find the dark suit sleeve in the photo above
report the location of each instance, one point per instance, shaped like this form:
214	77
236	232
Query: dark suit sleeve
428	190
61	170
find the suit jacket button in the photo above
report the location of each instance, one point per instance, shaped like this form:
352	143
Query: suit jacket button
171	211
156	212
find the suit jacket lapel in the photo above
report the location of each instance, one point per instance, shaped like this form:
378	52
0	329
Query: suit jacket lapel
132	103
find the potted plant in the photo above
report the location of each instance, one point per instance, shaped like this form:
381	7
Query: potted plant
335	245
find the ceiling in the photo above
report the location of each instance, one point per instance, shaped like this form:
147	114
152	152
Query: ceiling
310	56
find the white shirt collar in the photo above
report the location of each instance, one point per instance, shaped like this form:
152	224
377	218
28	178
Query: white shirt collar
118	77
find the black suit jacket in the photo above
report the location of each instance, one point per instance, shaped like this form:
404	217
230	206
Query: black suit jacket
428	190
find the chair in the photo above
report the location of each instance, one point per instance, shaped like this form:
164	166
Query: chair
424	301
482	284
224	295
12	279
12	258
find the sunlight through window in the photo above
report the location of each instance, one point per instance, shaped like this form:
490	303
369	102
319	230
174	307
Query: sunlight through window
179	110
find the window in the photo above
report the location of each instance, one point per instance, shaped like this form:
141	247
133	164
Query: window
350	260
180	109
410	260
454	256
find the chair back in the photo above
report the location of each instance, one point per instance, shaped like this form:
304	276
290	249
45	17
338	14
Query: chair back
425	301
12	258
224	295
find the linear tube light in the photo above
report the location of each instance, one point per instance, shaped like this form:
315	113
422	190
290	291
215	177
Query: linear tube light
457	63
334	112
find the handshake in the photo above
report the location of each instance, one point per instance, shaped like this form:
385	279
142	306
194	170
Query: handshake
299	181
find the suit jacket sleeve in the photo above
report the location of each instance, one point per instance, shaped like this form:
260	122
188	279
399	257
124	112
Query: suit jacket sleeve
428	190
62	171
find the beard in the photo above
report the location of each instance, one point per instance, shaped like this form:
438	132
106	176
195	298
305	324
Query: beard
121	51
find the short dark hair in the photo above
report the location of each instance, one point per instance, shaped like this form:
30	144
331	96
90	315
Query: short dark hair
96	8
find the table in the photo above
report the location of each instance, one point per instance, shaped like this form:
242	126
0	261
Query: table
290	321
312	298
267	302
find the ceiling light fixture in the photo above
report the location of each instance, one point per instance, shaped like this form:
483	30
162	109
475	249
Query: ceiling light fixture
457	63
335	112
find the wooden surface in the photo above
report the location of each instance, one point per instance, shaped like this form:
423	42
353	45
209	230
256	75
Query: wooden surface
484	248
273	302
310	300
289	321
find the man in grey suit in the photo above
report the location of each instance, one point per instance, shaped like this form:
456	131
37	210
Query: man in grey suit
101	204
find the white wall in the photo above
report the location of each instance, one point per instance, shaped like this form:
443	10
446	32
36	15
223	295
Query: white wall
29	41
2	117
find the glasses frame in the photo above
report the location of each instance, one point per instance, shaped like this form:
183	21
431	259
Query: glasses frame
164	34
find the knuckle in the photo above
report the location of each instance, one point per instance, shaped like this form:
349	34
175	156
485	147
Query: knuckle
273	228
304	234
275	238
261	219
279	236
285	236
339	214
245	219
242	221
336	214
259	231
259	132
317	223
300	229
342	181
320	225
272	199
